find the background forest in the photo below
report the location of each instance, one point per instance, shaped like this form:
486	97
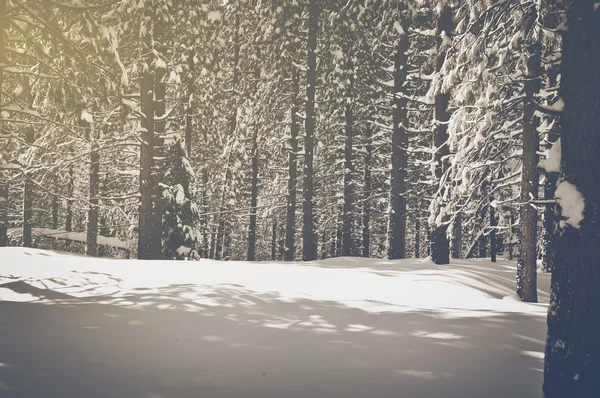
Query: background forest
280	129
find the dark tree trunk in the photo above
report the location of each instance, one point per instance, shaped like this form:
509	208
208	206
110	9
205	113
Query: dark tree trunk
572	360
290	219
324	245
440	249
3	209
309	241
3	185
28	198
457	237
253	198
347	216
69	209
368	182
492	233
397	216
549	212
145	227
91	247
221	227
159	145
417	238
527	262
338	241
55	205
213	243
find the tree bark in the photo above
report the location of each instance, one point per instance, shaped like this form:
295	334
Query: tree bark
397	216
290	220
274	241
347	216
527	262
28	198
457	237
3	211
91	247
572	356
70	192
368	182
253	198
159	142
417	238
145	227
492	233
440	247
3	185
309	241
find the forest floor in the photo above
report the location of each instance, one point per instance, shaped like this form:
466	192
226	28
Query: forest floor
346	327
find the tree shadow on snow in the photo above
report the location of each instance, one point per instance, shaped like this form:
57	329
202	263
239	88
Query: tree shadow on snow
227	341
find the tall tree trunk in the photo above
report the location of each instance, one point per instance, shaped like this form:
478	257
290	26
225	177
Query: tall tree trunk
572	360
145	227
397	216
440	247
3	185
253	198
347	216
91	247
457	237
290	219
527	262
28	197
493	232
309	241
159	143
221	227
3	209
367	188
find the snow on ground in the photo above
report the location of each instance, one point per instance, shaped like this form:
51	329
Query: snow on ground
347	327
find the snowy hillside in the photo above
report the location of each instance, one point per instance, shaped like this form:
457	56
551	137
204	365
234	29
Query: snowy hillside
347	327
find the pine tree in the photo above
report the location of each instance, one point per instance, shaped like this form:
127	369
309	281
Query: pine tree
572	360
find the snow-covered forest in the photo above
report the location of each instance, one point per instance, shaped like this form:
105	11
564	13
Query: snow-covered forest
453	141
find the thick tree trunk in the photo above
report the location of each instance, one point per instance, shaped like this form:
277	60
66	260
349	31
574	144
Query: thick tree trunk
457	237
309	241
253	198
145	227
549	212
572	360
527	262
397	216
28	198
367	188
290	219
440	249
347	216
